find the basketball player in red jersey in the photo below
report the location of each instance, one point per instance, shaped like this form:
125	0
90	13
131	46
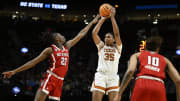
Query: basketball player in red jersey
149	84
58	53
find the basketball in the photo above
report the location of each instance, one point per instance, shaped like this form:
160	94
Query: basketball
105	9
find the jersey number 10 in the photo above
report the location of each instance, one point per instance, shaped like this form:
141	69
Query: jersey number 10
154	61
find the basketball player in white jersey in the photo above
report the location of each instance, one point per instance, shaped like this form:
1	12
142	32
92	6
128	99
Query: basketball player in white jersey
106	80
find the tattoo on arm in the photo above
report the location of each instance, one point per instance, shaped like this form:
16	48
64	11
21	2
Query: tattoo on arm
127	77
125	81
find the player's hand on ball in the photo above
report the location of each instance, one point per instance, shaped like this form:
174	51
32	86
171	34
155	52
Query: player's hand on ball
113	12
104	18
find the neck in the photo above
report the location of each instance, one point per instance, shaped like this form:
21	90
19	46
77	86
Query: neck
156	51
59	45
111	45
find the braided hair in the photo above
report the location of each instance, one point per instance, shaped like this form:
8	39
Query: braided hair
47	39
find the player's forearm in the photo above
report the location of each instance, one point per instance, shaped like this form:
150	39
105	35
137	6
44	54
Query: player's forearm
98	26
115	27
127	78
80	35
84	31
24	67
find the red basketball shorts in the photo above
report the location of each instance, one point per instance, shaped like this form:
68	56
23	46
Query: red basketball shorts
52	86
148	90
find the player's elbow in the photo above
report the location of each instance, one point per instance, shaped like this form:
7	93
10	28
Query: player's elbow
177	82
81	34
94	32
131	72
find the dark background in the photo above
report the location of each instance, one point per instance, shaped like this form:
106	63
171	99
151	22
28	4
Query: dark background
23	31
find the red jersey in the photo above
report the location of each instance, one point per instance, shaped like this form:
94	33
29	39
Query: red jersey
59	61
151	64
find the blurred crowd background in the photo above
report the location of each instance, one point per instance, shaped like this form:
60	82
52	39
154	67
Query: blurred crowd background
22	27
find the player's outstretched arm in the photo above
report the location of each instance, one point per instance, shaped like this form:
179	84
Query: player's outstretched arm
174	75
95	32
44	54
128	75
81	34
115	27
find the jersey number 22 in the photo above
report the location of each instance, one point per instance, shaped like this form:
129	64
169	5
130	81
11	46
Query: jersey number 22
63	61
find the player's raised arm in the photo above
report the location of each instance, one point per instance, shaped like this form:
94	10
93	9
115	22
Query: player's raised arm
81	34
44	54
174	75
95	32
115	27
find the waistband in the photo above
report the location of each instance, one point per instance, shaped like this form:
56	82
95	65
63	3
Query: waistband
150	77
55	75
106	73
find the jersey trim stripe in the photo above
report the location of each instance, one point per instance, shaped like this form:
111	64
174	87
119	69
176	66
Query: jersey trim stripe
56	47
110	88
99	87
45	91
58	77
54	98
46	84
59	48
150	78
54	62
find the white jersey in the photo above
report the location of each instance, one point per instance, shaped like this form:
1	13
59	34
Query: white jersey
108	60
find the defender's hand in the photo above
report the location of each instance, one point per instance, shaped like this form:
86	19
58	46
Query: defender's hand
8	74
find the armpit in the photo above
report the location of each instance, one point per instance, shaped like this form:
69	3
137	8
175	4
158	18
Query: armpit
119	48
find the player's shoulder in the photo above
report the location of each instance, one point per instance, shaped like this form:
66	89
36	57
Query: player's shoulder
166	59
52	46
162	57
137	54
47	50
